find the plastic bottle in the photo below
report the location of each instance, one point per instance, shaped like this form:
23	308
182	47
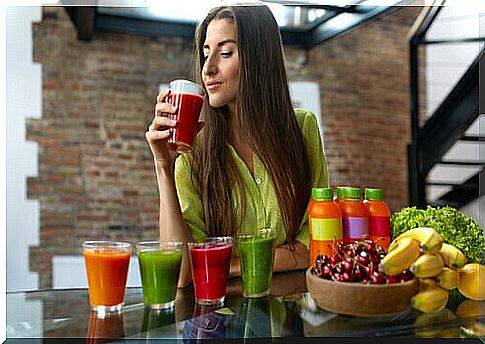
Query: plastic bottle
325	223
339	193
379	217
355	218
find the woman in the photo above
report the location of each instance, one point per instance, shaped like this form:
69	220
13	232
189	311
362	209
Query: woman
256	159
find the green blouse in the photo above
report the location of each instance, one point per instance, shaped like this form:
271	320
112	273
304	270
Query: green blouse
262	208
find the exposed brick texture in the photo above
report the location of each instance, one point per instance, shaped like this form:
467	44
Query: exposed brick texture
96	176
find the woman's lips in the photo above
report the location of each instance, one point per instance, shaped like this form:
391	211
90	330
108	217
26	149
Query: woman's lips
213	85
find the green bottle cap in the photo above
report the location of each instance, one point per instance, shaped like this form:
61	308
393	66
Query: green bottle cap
341	191
352	193
372	194
322	194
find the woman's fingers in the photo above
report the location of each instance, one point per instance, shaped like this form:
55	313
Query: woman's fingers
155	135
162	95
161	122
164	109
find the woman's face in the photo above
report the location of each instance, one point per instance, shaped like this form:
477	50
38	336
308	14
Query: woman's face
220	72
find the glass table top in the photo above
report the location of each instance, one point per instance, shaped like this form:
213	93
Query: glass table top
288	312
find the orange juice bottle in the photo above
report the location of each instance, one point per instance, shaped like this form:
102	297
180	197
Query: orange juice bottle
355	218
379	217
325	223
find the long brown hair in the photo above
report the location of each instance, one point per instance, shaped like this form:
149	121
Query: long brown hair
267	122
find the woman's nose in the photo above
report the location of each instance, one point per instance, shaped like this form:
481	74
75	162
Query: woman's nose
210	66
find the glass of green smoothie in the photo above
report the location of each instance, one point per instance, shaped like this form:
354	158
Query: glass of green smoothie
256	252
159	264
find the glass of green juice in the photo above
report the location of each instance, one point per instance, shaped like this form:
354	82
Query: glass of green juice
256	252
159	263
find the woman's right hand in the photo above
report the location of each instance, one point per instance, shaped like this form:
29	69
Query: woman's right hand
158	131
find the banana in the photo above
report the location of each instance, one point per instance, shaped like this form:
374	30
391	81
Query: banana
427	265
401	257
452	257
426	324
448	278
429	239
393	245
450	332
432	300
427	283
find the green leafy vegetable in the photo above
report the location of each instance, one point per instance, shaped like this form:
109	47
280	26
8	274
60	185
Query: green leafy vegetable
456	228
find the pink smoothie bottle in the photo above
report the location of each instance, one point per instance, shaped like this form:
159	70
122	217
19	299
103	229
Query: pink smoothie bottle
379	217
355	218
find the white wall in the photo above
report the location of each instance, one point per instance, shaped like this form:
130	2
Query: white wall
306	95
3	180
24	100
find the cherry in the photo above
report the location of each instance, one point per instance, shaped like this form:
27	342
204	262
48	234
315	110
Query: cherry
406	275
327	271
347	264
377	278
392	279
334	259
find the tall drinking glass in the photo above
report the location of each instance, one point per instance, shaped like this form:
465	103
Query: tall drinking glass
210	262
107	268
256	252
188	97
159	264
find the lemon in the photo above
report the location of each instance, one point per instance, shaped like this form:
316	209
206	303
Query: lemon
225	311
470	285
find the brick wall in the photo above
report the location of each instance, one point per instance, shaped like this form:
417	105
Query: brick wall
96	177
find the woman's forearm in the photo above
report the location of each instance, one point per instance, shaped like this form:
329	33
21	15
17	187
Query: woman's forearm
172	225
287	260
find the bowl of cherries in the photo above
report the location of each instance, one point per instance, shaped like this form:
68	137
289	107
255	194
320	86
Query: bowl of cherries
351	282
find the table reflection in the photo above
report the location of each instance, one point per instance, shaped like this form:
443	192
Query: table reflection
253	319
107	326
154	319
285	313
206	323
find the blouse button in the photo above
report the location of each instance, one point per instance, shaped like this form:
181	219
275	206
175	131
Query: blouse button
258	181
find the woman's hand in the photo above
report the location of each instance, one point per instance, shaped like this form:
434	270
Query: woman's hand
158	131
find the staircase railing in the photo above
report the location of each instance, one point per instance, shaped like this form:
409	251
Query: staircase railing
448	123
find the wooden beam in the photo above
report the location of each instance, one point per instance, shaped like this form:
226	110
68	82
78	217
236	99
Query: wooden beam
85	21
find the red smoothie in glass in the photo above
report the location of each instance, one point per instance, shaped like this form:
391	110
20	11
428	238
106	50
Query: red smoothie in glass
210	270
187	115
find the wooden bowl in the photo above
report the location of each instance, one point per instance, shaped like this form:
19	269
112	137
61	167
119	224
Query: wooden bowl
366	300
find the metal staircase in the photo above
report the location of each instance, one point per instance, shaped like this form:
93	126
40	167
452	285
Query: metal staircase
446	127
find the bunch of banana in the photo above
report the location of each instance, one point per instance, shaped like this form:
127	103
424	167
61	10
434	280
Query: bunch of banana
404	252
438	266
429	239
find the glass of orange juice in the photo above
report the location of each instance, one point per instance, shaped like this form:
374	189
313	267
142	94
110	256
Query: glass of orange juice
107	268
